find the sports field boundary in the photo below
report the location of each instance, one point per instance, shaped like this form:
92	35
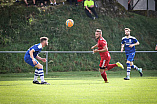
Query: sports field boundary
46	52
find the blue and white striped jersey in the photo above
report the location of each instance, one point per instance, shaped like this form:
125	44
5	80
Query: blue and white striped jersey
37	48
127	42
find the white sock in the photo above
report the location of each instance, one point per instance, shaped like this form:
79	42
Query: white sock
51	3
42	78
54	2
128	69
128	73
35	78
36	74
41	73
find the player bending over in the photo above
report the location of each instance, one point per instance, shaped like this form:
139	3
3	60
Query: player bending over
129	43
31	56
105	55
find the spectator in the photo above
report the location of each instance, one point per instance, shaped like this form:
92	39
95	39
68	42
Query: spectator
44	2
89	8
28	4
70	1
53	3
156	47
17	0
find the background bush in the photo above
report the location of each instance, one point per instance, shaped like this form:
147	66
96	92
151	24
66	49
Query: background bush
21	27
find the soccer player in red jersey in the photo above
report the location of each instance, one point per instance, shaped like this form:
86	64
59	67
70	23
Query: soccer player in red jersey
105	55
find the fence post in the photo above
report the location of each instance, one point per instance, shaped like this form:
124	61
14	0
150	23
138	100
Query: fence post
46	62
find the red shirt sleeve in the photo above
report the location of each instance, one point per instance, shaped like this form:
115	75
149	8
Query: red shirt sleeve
103	43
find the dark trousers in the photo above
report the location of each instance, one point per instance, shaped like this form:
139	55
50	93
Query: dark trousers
89	14
70	1
42	1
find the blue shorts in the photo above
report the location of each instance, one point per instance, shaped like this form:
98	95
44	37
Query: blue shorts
130	57
30	62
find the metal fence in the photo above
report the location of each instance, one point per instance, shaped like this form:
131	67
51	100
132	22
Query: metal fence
46	52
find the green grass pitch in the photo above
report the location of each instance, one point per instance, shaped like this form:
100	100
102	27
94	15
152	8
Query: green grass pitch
79	88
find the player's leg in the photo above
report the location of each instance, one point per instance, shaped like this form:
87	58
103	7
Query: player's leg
103	74
120	65
103	69
29	61
128	70
110	66
41	73
130	58
35	81
138	69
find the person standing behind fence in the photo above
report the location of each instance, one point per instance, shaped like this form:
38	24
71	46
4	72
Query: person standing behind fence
129	43
89	8
31	56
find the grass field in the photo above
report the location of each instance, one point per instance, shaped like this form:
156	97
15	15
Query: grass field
79	88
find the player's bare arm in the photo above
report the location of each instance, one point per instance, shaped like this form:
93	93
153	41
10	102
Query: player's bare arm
137	43
105	49
94	46
42	59
31	55
122	47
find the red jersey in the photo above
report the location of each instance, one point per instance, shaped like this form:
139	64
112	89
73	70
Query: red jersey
101	43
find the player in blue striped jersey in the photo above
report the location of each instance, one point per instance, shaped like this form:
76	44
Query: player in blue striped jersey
31	56
129	43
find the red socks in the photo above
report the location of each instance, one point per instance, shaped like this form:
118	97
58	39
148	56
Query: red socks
110	66
104	76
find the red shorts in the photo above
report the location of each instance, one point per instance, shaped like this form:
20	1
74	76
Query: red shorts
104	63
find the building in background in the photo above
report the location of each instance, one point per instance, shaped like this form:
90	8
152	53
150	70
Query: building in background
138	4
124	3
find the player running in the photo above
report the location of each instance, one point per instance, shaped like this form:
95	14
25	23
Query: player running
105	55
129	42
31	56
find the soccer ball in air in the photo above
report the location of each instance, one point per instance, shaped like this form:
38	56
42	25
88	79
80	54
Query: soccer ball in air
69	23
